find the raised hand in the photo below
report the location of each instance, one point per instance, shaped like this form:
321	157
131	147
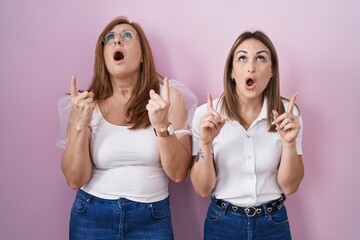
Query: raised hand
210	124
287	124
158	107
83	105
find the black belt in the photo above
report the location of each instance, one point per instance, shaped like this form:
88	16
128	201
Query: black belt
271	206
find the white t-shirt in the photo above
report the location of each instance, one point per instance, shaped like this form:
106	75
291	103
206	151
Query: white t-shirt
246	161
127	163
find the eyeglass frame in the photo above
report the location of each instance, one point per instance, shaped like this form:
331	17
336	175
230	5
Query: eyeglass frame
134	33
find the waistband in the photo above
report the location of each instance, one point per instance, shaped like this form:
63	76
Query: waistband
85	196
269	207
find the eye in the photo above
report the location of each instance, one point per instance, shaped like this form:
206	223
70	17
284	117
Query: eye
127	35
242	58
260	58
110	36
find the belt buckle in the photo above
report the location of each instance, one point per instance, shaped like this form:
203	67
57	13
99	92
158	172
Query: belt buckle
248	209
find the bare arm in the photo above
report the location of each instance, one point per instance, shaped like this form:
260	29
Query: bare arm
203	172
76	163
175	150
291	169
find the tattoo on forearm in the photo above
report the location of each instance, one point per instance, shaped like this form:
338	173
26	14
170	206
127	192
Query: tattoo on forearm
199	155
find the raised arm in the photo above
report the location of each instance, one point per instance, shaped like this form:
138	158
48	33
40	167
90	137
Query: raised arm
76	163
291	169
175	150
203	172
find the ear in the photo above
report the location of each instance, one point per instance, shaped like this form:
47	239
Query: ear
271	75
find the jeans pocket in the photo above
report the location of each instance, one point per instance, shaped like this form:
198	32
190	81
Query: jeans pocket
160	210
79	206
212	214
278	217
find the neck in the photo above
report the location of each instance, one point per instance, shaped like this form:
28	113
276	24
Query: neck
250	104
249	110
123	86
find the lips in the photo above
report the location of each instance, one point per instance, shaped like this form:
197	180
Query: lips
250	83
118	56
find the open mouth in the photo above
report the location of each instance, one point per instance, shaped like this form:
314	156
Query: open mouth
118	56
250	82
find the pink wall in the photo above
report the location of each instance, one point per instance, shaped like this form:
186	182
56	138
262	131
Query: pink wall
42	43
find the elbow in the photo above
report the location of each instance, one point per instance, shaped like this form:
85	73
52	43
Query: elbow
290	190
202	194
178	177
291	187
177	180
74	184
202	191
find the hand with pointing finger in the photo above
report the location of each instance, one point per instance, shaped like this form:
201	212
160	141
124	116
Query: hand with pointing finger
158	107
211	123
83	105
287	123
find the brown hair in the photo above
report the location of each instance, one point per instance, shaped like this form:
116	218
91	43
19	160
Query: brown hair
148	77
230	104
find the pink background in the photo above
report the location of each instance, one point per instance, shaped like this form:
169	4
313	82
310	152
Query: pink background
42	43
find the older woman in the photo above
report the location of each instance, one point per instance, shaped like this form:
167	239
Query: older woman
126	135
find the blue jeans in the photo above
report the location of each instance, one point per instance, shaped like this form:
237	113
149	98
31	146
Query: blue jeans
221	224
96	218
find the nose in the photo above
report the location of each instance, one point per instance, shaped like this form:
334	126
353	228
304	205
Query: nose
251	67
118	39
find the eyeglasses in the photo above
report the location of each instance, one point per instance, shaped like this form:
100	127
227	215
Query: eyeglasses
126	35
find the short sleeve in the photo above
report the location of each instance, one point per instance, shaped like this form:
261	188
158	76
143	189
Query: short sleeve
200	111
298	140
188	97
64	109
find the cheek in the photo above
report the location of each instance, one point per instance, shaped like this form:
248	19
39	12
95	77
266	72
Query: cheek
107	55
237	72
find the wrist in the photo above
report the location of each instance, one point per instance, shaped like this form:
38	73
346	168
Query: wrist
162	126
165	131
205	145
289	145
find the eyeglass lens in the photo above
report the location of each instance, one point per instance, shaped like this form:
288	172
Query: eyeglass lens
126	35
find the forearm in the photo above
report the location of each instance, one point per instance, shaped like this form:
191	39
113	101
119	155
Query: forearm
203	173
175	155
76	163
291	170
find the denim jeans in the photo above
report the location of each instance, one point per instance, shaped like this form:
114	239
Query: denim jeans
101	219
221	224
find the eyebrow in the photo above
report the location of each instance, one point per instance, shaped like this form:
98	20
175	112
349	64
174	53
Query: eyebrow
262	51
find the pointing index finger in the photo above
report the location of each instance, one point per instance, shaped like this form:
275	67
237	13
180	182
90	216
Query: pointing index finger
292	103
73	89
209	101
166	94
